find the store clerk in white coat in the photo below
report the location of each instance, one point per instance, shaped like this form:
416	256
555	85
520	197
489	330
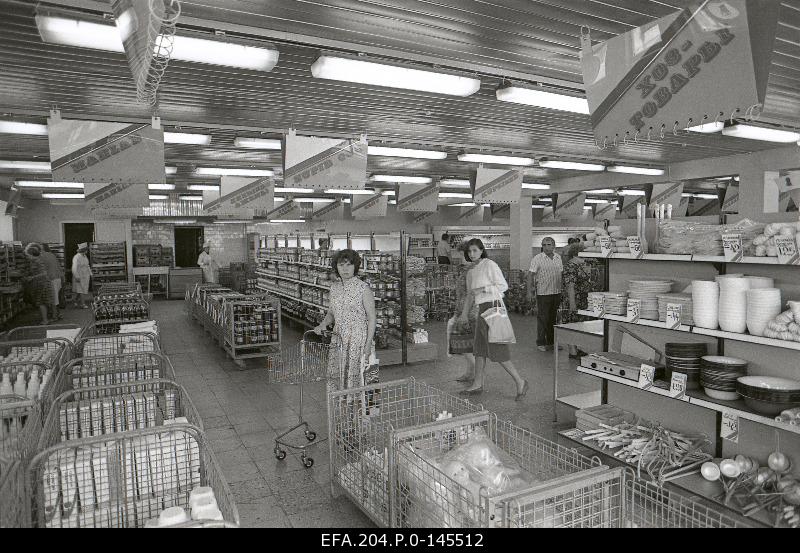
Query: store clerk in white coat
81	276
207	264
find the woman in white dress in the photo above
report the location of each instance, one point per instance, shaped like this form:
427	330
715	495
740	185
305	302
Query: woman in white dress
485	285
81	276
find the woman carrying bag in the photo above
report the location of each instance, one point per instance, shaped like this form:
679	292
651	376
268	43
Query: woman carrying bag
485	286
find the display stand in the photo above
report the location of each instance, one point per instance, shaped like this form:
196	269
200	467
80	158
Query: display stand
154	280
108	261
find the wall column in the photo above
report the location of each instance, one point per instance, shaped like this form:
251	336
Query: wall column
521	223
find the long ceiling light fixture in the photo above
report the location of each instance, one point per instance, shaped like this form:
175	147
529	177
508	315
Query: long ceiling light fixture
635	170
351	192
405	152
16	127
287	220
225	172
161	186
187	138
393	75
761	133
454	195
65	196
401	179
158	197
48	184
257	143
535	186
632	193
170	170
455	182
708	128
28	166
283	190
198	187
190	198
543	99
496	159
573	165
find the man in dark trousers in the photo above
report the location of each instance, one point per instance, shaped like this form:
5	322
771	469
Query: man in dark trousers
443	250
544	280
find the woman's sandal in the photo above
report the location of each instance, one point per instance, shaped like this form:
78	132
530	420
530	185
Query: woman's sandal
523	392
474	392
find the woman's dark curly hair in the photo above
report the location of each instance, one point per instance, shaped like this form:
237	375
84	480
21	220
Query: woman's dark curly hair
475	242
351	256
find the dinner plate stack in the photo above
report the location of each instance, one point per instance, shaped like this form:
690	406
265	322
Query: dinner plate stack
684	300
733	304
763	305
686	358
705	303
615	303
719	374
647	291
769	395
760	282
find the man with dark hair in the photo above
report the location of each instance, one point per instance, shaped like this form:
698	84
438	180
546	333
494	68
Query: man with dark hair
443	250
544	281
55	276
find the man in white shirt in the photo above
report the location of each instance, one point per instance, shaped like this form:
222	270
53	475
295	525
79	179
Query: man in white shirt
544	281
207	264
443	250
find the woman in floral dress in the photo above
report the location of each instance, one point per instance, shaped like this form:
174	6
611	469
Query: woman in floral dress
40	293
352	314
577	283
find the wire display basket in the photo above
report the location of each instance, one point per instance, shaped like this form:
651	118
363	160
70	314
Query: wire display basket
20	425
120	288
94	345
50	352
40	332
361	422
102	410
126	480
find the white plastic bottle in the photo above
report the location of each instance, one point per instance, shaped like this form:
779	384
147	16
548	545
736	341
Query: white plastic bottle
20	386
33	385
5	385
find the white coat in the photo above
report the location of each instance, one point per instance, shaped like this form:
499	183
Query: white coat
81	274
209	266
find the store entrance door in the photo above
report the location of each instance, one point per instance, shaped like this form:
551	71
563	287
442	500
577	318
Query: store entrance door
188	245
74	234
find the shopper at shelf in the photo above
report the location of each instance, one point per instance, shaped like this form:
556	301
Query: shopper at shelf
207	264
39	292
454	325
56	277
485	285
443	250
577	283
81	276
544	282
352	314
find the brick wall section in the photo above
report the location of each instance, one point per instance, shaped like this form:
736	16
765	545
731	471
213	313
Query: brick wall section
228	242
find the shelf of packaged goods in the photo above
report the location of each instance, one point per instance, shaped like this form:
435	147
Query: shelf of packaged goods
314	265
289	297
289	279
696	258
642	322
696	397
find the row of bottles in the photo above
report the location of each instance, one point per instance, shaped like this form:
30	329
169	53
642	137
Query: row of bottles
121	311
30	388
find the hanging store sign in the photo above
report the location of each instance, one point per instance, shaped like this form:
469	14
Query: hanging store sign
422	217
501	212
629	206
682	208
330	212
607	210
117	199
324	163
93	151
666	193
418	197
497	186
471	215
240	197
287	210
700	207
371	208
570	204
712	57
549	214
731	202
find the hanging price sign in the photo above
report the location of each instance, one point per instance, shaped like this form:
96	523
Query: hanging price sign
606	249
729	429
647	374
732	245
635	245
677	387
634	311
674	315
787	250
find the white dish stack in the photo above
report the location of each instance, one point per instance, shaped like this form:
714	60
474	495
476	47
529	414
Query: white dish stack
733	304
760	282
763	305
705	303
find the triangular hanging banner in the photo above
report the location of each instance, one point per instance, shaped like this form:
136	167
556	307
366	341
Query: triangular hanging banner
497	186
329	212
682	208
549	214
123	199
287	210
688	67
371	208
324	163
240	197
570	204
731	202
701	207
666	193
471	215
607	210
424	216
789	191
628	209
418	197
501	212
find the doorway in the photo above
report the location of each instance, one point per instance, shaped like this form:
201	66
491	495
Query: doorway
74	234
188	245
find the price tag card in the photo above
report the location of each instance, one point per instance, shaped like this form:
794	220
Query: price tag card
729	429
787	250
596	306
634	310
677	387
606	246
635	245
674	315
732	244
647	374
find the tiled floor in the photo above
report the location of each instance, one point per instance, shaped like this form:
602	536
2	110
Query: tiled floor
242	413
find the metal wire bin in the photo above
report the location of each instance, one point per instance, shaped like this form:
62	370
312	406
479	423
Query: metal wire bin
125	480
361	422
94	345
308	361
565	488
39	332
20	423
49	352
101	410
116	288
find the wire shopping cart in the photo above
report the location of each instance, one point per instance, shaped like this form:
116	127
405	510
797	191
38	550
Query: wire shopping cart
91	344
20	424
308	361
40	332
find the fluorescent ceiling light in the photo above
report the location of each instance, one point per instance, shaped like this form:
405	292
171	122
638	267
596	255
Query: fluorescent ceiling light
497	160
393	202
595	201
278	199
196	187
539	206
225	172
287	220
75	32
352	192
283	190
317	200
57	196
401	179
187	138
543	99
170	170
405	152
535	186
233	221
708	128
600	191
158	197
161	186
32	166
701	196
761	133
465	204
587	208
454	195
15	127
48	184
549	164
257	143
191	198
631	193
388	193
545	199
393	76
175	221
635	170
454	182
345	200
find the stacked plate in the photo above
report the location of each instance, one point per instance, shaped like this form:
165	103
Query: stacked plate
684	300
733	304
769	395
705	303
686	358
763	305
647	291
719	374
760	282
615	303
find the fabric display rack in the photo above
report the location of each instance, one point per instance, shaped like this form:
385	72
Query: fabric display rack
724	384
92	438
108	261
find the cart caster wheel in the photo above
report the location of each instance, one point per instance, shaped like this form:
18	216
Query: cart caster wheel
308	462
311	435
280	454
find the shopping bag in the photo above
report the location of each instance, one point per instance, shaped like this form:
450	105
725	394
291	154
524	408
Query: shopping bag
460	337
500	329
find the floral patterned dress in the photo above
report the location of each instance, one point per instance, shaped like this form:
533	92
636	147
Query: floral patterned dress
580	276
39	290
347	369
